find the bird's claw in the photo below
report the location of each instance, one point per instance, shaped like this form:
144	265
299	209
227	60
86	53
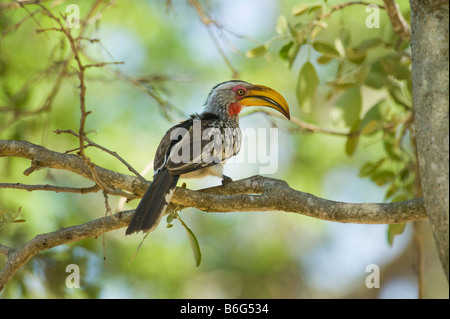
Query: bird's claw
226	180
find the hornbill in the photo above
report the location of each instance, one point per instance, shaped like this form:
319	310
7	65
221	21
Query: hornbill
200	145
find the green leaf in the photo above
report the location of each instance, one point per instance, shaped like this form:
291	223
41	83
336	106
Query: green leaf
258	51
343	86
345	36
391	191
383	177
292	53
394	230
369	168
303	8
299	9
169	220
402	72
298	33
391	147
347	109
376	77
323	59
355	56
390	63
360	74
398	96
285	49
307	84
369	44
194	243
327	49
371	127
352	141
375	113
282	25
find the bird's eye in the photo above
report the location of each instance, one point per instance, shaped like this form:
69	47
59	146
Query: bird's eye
240	92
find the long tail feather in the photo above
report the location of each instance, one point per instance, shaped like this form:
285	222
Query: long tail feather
154	203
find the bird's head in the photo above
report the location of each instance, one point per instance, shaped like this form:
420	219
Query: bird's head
228	98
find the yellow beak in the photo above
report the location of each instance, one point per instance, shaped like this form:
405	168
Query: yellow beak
259	95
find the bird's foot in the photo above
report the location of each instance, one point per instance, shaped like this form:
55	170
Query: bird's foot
226	180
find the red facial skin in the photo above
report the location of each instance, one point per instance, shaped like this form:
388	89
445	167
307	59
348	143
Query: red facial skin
235	108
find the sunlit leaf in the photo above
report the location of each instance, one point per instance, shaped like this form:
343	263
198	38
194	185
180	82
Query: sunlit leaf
303	8
282	25
307	84
327	49
315	31
258	51
371	127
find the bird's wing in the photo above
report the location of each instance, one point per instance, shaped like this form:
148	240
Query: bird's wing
166	144
197	144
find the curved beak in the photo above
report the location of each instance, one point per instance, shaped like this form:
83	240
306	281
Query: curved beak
260	95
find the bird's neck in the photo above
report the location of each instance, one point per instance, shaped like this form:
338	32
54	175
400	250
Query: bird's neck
227	113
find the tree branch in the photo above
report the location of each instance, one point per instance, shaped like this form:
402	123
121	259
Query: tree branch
255	193
20	256
398	22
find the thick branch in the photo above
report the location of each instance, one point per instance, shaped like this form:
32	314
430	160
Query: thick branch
255	193
43	158
20	256
251	194
260	193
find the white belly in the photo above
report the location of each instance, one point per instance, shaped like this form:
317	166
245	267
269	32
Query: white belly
214	170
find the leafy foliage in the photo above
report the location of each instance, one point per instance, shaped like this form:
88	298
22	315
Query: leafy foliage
377	64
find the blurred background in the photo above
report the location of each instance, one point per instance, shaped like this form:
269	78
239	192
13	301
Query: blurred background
174	52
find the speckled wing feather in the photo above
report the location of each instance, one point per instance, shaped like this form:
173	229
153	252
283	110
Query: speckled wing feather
199	142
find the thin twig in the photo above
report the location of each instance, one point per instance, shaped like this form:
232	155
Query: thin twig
207	21
51	188
113	153
63	189
308	127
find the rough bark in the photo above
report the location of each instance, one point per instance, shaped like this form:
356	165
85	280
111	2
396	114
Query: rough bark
430	66
255	193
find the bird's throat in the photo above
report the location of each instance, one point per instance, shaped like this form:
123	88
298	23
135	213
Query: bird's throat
234	109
